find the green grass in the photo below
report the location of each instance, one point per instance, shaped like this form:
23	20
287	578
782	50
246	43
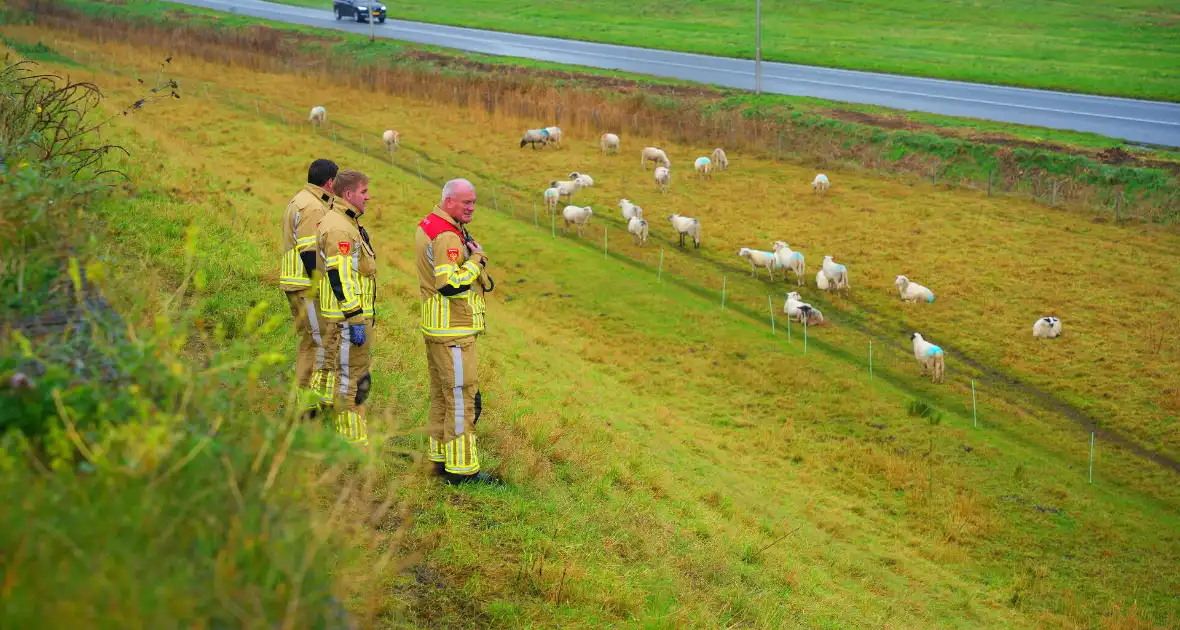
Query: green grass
1127	48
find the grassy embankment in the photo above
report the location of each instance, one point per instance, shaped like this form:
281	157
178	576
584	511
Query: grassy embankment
658	445
1039	45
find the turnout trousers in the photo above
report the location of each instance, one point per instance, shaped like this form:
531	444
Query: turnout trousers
315	356
454	404
352	384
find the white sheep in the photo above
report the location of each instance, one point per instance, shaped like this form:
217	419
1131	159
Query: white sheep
551	198
663	177
566	188
912	291
720	159
630	210
1047	328
583	178
638	229
578	216
533	137
609	143
687	226
837	274
390	140
820	183
930	357
318	116
652	154
801	311
554	134
704	166
790	260
759	259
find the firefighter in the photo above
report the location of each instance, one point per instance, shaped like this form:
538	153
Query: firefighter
347	292
298	276
452	274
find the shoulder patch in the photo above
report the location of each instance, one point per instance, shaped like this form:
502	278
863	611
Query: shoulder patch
344	246
453	255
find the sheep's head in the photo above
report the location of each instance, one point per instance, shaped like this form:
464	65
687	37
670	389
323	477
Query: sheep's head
574	175
794	295
915	337
745	252
827	259
779	245
588	210
901	281
623	203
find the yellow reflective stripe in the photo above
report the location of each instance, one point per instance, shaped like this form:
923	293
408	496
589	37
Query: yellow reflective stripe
461	455
368	294
291	272
304	243
348	281
455	277
328	306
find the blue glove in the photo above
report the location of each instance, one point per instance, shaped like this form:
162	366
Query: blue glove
356	334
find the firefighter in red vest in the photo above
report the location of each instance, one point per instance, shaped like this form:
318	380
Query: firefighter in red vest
452	274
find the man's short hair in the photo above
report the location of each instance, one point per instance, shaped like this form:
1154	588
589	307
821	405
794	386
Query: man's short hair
449	188
349	180
321	171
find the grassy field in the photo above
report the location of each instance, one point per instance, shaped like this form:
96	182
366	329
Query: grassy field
1042	45
674	464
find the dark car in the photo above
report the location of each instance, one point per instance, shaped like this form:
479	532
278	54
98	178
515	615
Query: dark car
359	10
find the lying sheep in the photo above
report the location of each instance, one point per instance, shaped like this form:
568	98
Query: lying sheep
534	136
318	116
912	291
582	178
801	311
836	273
704	166
566	188
820	183
578	216
930	357
720	159
663	177
821	281
790	260
552	195
609	143
759	259
652	154
390	139
638	229
1047	328
554	134
687	226
630	210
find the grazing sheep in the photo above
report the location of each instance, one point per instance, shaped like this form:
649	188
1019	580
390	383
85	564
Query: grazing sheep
585	179
759	259
912	291
554	135
653	154
704	167
390	140
836	273
318	116
579	216
1047	328
820	183
790	260
638	229
533	136
663	177
720	159
801	311
821	281
630	210
566	188
687	226
930	357
552	195
609	142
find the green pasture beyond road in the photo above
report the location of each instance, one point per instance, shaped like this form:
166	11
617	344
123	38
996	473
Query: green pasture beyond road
1119	48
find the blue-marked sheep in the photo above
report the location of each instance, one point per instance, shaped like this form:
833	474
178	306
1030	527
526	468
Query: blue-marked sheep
912	291
930	357
390	140
638	229
1047	328
758	259
533	137
609	143
318	116
720	159
686	226
792	260
837	274
567	188
552	196
704	166
578	216
630	210
820	183
801	311
653	154
663	177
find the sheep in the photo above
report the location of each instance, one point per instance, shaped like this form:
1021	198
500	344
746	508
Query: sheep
930	357
790	260
801	311
638	229
836	273
821	281
759	259
551	197
609	142
704	167
630	210
912	291
663	176
554	134
566	188
820	183
533	136
720	159
1047	328
318	116
687	226
654	155
579	216
585	179
390	139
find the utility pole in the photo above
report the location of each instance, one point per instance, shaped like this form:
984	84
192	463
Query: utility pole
758	46
372	28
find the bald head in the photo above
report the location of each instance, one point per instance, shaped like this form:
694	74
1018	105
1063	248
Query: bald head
458	200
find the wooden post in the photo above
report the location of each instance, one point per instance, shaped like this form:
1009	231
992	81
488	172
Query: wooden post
535	214
770	307
990	173
1091	457
871	360
495	201
974	414
418	161
660	274
605	229
723	281
1053	195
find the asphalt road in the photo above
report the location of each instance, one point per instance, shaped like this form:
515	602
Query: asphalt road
1147	122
